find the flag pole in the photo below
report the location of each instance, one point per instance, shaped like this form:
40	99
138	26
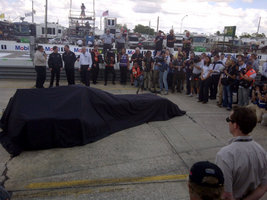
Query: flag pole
32	13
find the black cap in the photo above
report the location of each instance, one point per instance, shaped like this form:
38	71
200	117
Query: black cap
201	170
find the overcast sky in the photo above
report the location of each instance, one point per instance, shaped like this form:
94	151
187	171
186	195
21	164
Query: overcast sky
202	16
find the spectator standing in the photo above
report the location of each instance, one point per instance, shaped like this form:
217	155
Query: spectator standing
90	39
170	41
178	74
124	66
96	59
197	68
109	68
187	43
217	67
107	40
205	81
159	40
247	77
85	66
206	181
40	66
55	66
243	161
137	75
148	67
158	62
255	62
163	67
227	81
264	72
188	72
120	42
69	59
137	56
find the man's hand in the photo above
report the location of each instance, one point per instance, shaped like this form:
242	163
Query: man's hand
89	68
61	69
50	69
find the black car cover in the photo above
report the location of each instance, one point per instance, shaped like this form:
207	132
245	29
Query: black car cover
75	115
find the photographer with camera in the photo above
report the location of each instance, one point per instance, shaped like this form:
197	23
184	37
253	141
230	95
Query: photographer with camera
247	77
228	80
188	72
158	64
197	67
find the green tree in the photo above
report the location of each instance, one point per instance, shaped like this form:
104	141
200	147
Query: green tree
124	26
258	35
144	29
218	33
245	35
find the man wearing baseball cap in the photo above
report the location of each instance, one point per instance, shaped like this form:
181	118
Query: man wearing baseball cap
206	181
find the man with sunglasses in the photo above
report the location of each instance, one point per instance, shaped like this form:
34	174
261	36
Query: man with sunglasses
243	161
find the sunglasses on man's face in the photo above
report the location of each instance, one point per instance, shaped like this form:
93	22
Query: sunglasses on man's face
229	120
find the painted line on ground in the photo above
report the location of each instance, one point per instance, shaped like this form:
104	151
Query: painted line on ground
99	182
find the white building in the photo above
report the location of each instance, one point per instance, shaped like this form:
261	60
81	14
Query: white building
54	30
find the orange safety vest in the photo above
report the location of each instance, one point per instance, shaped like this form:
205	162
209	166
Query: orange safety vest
250	72
136	72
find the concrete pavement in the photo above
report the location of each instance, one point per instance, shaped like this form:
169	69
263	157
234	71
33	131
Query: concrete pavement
149	161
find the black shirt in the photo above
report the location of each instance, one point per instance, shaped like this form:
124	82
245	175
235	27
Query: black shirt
169	43
55	61
139	58
159	43
232	71
148	64
69	59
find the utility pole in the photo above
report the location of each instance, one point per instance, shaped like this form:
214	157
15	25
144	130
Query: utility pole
46	20
158	24
259	26
32	13
94	16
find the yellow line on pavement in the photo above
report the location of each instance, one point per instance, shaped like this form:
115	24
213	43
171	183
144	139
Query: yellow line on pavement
99	182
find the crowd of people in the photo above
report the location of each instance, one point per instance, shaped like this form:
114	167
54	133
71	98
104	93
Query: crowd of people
207	77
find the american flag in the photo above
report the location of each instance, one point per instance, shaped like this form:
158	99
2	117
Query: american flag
105	13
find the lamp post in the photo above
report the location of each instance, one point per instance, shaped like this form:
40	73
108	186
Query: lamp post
182	22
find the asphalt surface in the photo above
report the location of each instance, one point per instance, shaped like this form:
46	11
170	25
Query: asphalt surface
150	161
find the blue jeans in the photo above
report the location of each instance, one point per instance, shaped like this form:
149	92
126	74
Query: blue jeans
163	80
139	81
227	96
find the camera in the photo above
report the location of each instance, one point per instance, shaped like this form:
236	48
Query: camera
243	71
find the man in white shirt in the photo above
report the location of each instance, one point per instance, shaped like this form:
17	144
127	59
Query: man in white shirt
85	66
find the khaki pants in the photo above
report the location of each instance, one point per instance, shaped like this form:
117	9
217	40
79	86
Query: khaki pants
147	79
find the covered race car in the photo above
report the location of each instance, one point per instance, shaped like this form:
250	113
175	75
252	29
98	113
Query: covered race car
75	115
